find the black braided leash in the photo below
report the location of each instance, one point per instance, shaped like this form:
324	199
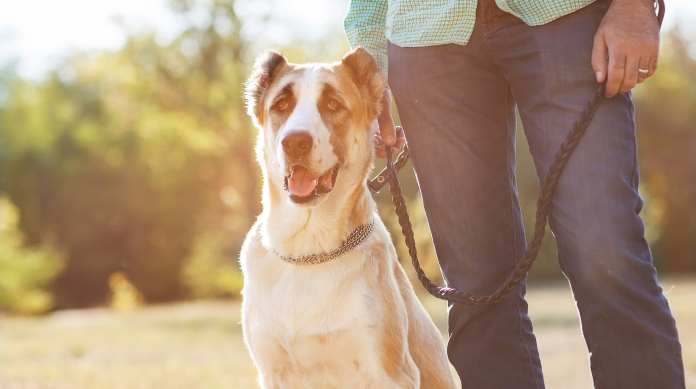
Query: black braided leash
548	188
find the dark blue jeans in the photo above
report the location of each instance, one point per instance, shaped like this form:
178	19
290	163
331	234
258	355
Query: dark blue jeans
457	106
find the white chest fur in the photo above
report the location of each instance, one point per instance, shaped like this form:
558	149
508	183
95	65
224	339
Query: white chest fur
314	325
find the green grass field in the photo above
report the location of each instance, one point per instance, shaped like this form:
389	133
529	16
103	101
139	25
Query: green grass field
199	345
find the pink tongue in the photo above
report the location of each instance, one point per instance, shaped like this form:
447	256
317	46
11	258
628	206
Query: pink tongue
301	182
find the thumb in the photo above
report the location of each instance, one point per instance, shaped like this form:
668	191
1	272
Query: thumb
600	57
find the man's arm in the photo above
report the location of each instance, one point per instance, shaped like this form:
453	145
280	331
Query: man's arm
365	26
627	40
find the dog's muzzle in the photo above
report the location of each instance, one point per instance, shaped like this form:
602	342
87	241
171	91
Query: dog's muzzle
305	185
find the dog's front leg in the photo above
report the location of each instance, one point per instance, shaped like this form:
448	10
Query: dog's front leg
274	372
272	381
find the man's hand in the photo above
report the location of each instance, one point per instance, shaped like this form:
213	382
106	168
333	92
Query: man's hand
388	135
626	45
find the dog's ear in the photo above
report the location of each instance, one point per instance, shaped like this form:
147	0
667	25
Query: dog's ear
367	77
266	67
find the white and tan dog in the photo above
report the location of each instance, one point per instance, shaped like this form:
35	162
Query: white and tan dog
353	321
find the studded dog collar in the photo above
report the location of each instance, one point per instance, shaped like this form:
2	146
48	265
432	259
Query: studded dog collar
357	236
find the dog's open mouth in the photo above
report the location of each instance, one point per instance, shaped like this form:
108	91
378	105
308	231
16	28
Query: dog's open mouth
304	186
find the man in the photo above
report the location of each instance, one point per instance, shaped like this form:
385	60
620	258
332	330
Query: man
457	70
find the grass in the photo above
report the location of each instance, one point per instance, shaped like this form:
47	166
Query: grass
199	345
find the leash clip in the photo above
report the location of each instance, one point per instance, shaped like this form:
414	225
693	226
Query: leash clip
393	165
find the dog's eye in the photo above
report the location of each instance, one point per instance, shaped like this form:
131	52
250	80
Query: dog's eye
281	104
333	105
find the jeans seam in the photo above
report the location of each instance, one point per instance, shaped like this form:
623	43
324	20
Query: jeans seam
515	241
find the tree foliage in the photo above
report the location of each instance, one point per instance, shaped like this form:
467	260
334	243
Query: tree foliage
25	273
121	158
139	162
666	117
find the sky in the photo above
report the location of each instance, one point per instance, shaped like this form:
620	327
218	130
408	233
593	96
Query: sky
38	33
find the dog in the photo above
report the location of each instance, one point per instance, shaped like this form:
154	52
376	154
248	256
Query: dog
326	304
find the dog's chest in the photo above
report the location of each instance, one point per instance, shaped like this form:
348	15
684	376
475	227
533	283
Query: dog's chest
309	310
311	298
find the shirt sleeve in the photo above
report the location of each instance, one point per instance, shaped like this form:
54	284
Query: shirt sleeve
365	26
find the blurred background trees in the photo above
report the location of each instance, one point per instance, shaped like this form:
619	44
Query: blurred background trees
25	272
127	159
667	142
139	163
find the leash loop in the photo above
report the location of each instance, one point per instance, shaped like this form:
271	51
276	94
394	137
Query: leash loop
544	203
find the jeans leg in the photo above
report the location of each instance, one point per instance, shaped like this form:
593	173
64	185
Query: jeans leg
626	320
458	117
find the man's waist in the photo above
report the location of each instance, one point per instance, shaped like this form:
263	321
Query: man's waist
488	12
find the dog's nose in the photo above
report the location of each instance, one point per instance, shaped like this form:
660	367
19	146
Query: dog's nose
297	144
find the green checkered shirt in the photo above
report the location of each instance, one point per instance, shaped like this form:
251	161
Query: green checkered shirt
416	23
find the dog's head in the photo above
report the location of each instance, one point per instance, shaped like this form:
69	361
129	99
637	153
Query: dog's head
316	123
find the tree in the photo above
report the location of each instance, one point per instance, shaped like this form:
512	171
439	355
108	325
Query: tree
121	158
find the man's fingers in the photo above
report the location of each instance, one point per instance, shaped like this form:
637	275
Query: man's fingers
599	57
653	65
400	138
400	141
387	132
615	75
630	78
629	31
644	69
